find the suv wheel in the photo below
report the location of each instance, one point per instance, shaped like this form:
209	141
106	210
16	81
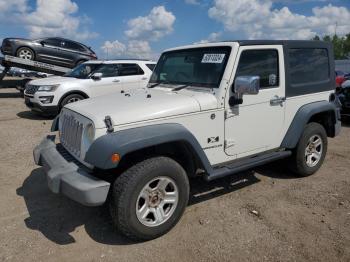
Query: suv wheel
149	198
310	151
71	99
25	53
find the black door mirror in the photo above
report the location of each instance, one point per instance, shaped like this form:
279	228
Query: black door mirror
42	43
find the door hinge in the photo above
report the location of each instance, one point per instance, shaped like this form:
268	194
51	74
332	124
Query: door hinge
229	143
229	114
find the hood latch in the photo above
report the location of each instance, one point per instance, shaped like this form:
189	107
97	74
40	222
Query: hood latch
109	124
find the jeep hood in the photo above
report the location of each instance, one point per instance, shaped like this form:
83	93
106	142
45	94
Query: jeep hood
142	105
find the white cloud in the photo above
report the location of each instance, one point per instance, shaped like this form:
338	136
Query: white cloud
141	30
132	49
57	18
158	23
213	37
47	18
13	6
192	2
257	19
113	49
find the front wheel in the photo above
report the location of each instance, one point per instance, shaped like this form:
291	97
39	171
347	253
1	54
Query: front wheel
311	150
149	198
71	99
25	53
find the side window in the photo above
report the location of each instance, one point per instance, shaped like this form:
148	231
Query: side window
151	66
308	65
73	46
263	63
130	70
108	70
52	42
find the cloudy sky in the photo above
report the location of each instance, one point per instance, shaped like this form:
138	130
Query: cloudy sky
142	29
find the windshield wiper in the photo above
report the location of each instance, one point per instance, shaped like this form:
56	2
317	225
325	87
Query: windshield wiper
157	84
181	87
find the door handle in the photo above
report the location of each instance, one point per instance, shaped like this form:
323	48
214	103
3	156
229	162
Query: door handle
144	78
276	100
116	81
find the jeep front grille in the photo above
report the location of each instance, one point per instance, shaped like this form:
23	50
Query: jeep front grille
31	89
71	134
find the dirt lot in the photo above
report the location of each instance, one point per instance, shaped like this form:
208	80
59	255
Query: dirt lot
296	219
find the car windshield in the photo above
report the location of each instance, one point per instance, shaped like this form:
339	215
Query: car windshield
82	71
202	67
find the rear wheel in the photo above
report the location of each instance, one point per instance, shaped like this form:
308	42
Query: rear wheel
71	99
311	150
149	198
25	53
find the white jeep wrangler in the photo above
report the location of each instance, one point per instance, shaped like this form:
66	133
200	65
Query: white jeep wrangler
210	110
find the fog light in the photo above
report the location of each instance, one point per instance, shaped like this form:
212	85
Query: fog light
46	99
115	158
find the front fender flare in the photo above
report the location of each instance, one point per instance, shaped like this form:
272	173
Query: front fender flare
131	140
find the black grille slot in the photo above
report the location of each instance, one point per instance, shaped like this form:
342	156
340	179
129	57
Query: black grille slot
69	158
31	89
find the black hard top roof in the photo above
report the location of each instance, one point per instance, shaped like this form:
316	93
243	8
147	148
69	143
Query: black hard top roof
290	43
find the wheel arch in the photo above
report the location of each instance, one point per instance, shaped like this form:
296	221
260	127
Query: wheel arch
322	112
79	92
134	145
25	46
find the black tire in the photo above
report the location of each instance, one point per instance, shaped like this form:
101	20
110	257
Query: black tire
125	197
25	50
69	99
298	162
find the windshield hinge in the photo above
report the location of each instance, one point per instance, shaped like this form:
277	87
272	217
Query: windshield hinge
229	113
229	143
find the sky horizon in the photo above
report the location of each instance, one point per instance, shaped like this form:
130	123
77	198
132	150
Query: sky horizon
140	29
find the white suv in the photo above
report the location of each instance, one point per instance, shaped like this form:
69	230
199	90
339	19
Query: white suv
210	110
91	79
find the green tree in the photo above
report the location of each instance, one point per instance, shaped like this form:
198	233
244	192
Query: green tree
341	45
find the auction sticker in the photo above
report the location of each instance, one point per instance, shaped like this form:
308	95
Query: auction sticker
213	58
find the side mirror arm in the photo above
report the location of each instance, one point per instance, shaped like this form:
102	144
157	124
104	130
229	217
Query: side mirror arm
233	101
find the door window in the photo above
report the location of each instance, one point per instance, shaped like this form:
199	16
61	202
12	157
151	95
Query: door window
151	66
72	46
130	70
108	70
262	63
52	42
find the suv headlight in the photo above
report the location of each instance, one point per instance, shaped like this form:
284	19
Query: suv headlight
48	88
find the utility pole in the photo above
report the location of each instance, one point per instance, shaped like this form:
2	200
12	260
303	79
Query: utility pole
335	29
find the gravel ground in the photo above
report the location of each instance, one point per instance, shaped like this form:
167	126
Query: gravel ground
261	215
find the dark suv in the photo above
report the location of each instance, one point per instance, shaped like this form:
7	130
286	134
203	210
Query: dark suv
57	51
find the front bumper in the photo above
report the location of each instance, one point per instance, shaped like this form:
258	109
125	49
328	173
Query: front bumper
47	110
67	178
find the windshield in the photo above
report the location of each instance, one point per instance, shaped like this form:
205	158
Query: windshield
82	71
195	67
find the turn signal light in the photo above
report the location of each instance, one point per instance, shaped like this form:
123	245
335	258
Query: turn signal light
115	158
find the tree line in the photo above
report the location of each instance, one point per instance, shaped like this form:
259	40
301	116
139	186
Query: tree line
341	45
